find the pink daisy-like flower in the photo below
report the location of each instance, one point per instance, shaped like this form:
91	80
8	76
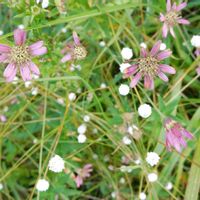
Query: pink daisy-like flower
82	174
149	66
175	134
19	57
75	51
172	18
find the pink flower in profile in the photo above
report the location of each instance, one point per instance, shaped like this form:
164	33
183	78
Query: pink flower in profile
75	51
19	57
172	18
83	174
149	66
3	118
175	134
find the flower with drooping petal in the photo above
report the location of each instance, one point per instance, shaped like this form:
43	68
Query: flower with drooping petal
172	18
19	57
149	66
82	173
75	51
175	135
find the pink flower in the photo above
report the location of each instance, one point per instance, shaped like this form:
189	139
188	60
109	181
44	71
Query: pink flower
75	51
3	118
19	57
172	18
83	174
175	134
149	66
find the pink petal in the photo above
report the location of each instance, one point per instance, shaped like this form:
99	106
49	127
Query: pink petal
66	58
33	67
36	45
164	30
187	134
39	52
79	181
25	73
130	71
148	82
181	6
183	21
164	54
163	76
11	75
198	71
76	38
162	17
143	52
4	48
168	5
172	32
135	80
155	48
19	36
9	70
197	52
4	58
174	7
167	69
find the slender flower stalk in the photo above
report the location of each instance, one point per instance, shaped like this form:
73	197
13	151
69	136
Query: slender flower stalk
82	174
149	66
75	51
175	135
19	57
172	18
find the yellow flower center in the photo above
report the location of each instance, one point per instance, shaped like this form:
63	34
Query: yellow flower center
20	54
80	52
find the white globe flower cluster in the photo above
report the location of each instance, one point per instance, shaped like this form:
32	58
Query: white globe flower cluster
56	164
81	131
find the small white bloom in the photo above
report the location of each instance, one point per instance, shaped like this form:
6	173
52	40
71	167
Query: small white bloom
15	80
102	43
27	84
34	91
56	164
21	26
110	167
82	129
72	68
122	180
45	3
124	89
42	185
126	53
72	96
95	156
5	109
163	46
35	76
195	41
126	140
137	162
1	32
143	45
113	195
1	186
103	85
35	141
142	196
78	67
131	129
64	30
169	186
124	66
152	177
152	158
60	101
144	110
86	118
81	138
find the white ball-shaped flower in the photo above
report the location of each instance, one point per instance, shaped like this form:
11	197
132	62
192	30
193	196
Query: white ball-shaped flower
143	45
124	66
144	110
152	177
102	43
86	118
61	101
81	138
169	186
72	96
56	164
126	140
21	26
103	85
34	91
127	53
142	196
196	41
42	185
1	32
163	46
82	129
124	89
1	186
152	158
